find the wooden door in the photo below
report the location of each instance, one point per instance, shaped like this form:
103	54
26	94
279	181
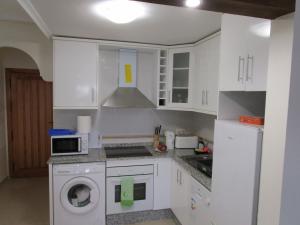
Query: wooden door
29	116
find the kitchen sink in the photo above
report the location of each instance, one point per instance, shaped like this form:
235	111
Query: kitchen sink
202	163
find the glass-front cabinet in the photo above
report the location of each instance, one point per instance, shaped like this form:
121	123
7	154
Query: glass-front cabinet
180	69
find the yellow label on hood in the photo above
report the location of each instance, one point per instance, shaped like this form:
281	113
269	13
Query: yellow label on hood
128	74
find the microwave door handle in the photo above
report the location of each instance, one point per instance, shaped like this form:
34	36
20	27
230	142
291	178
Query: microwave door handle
79	145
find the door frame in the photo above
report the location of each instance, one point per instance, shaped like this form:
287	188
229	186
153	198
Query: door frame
8	72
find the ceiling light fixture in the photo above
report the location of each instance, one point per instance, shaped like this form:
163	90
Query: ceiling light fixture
192	3
120	11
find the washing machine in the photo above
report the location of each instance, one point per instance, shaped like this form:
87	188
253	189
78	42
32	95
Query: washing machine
79	194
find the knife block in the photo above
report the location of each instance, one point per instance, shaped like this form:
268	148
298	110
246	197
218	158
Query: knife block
155	141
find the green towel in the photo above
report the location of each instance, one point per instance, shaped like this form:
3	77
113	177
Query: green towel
127	191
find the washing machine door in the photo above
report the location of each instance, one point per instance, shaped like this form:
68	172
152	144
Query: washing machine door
80	195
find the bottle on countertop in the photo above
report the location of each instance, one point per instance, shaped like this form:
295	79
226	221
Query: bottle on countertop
170	139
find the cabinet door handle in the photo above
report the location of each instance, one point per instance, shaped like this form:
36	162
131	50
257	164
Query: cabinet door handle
177	177
249	75
157	169
241	75
206	95
202	97
180	177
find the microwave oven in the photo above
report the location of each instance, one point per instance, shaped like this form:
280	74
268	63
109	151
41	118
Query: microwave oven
76	144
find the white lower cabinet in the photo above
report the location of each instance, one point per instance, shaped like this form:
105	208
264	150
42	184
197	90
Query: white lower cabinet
200	205
180	193
162	184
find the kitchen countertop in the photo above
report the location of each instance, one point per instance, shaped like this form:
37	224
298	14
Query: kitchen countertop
95	155
98	155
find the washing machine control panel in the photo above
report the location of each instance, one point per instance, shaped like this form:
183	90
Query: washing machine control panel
79	168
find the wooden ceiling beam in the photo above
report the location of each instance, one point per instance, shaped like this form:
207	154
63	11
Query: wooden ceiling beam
269	9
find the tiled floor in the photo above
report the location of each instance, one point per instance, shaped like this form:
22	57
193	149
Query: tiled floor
24	202
149	217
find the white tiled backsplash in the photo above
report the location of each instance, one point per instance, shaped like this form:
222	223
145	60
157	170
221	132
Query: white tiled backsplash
125	122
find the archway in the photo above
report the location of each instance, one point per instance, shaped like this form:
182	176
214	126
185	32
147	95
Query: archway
20	85
29	99
9	58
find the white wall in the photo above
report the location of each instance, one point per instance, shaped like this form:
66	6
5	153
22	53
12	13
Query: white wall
204	125
9	58
290	200
29	38
14	58
278	86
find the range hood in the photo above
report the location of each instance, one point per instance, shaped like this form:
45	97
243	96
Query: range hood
127	95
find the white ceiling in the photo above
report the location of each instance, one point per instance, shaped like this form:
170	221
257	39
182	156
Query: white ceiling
162	25
10	10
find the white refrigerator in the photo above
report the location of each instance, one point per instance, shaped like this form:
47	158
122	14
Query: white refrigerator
236	173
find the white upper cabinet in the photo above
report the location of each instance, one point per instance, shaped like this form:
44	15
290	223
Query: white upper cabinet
244	53
181	77
75	83
258	36
207	75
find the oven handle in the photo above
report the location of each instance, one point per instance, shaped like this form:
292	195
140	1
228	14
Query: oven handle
135	175
137	178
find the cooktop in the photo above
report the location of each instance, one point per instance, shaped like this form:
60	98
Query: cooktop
126	151
202	163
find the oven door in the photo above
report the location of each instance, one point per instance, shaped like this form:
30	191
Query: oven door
68	145
143	194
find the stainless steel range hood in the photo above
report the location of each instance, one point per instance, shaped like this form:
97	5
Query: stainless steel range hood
128	98
127	94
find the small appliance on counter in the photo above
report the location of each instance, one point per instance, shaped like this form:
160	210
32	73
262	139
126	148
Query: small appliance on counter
186	141
74	144
68	142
